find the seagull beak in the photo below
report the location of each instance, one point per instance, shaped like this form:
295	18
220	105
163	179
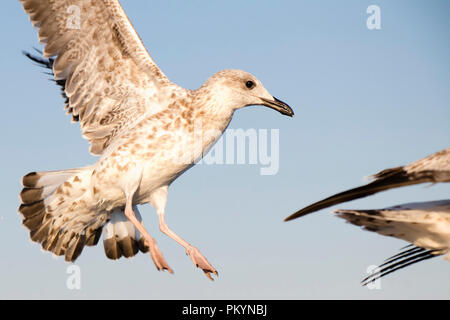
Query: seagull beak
278	105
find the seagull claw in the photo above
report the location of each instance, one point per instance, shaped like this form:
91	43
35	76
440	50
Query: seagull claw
200	262
208	274
158	259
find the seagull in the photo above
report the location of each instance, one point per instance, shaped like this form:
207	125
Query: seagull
146	130
425	224
434	168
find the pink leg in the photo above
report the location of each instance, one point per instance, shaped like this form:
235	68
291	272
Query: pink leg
158	199
155	253
197	258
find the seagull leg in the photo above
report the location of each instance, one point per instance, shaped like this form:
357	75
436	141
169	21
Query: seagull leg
158	200
155	253
197	258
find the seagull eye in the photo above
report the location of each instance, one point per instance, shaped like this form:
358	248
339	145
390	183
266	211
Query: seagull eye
250	84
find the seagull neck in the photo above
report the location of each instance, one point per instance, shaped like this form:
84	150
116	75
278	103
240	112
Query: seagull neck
212	106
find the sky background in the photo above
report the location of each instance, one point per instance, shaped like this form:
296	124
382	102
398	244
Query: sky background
363	100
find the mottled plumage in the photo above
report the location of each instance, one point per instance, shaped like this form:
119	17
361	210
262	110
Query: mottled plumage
146	129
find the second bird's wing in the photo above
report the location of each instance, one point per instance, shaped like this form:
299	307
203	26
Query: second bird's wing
425	225
434	168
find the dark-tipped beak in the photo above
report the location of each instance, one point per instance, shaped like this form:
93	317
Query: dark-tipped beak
278	105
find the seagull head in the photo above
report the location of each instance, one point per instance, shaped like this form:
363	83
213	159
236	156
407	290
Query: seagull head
237	89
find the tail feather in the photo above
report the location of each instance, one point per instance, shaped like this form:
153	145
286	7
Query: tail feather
60	215
57	215
48	178
33	222
110	245
40	185
92	240
31	195
120	238
29	210
75	247
125	234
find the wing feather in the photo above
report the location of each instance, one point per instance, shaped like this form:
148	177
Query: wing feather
106	73
425	224
434	168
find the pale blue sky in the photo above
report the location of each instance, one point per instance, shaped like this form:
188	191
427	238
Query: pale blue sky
364	101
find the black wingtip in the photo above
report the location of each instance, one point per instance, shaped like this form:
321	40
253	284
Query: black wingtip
400	261
48	64
42	62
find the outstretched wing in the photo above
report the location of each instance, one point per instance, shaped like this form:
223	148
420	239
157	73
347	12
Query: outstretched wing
434	168
106	72
425	225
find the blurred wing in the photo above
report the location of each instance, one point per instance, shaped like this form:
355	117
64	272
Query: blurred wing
436	165
434	168
106	73
426	225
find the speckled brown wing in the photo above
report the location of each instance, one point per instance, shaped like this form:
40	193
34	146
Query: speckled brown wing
108	76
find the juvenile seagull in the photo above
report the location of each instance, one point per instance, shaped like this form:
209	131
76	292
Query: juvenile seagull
426	225
434	168
144	127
